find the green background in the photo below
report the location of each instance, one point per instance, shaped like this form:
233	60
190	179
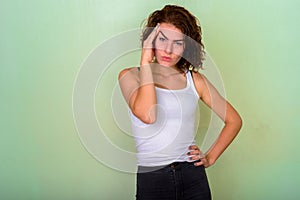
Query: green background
43	44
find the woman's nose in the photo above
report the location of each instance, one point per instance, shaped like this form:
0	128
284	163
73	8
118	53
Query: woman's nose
169	47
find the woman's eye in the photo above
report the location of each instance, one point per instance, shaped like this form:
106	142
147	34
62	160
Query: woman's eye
179	43
162	39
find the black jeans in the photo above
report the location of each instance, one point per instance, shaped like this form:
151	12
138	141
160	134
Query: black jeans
177	181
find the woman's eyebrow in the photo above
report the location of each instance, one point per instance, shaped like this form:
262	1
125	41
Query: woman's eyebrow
168	38
164	35
181	40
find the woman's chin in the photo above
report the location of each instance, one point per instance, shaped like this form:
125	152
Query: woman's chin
166	64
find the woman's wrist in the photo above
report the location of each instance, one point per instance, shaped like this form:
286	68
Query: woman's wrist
145	61
210	159
146	76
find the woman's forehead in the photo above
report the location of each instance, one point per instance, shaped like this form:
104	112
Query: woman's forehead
171	34
171	31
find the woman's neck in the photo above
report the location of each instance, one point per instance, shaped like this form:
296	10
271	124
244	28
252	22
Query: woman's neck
166	71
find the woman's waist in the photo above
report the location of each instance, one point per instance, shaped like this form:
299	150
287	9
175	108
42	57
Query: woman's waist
161	158
167	167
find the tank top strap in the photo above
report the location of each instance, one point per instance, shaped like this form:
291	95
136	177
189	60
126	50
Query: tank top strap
191	82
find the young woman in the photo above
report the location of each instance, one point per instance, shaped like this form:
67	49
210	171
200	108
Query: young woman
162	95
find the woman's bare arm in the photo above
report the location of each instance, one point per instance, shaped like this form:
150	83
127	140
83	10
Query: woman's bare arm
233	122
138	90
138	87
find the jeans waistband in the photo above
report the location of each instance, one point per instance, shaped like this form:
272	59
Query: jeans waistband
174	165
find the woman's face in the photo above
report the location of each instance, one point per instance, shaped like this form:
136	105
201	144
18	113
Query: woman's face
169	45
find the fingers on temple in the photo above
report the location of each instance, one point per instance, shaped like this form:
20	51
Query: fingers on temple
152	36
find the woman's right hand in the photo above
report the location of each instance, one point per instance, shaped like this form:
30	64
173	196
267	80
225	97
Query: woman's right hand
148	51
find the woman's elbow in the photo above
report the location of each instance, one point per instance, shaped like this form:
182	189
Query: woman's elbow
148	117
149	120
235	121
239	122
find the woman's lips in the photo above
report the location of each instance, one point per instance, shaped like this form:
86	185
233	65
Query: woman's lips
166	58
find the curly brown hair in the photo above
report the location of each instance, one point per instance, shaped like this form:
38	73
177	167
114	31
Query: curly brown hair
193	55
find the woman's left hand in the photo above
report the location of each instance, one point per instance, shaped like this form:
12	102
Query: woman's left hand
196	155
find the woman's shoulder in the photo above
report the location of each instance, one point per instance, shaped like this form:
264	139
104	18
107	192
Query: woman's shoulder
200	82
129	72
198	77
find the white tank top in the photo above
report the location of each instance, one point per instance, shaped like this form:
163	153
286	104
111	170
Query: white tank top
167	140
